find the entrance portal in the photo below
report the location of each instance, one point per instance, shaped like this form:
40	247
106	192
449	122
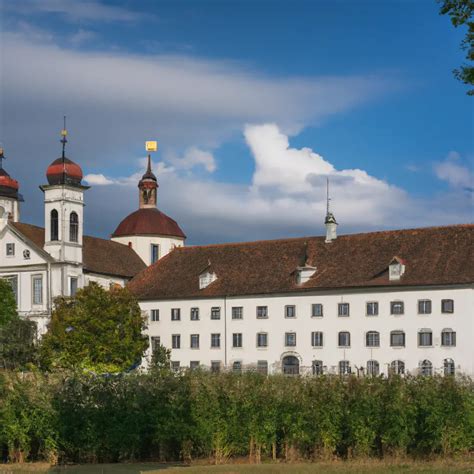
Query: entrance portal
291	365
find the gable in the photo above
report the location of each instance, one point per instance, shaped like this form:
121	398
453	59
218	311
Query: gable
25	252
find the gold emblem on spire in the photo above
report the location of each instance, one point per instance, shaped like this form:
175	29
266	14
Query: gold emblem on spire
151	146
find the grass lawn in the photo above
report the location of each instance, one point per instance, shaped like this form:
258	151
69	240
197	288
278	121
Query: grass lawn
336	467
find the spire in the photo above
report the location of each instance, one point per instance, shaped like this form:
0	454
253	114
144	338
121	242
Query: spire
63	138
2	157
148	184
330	221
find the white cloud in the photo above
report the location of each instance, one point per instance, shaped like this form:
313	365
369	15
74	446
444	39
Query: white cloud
73	10
82	36
98	180
454	173
193	157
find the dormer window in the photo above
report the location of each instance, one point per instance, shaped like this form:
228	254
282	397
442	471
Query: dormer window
303	274
396	269
205	279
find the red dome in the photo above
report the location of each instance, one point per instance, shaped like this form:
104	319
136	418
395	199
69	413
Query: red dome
7	182
148	222
64	171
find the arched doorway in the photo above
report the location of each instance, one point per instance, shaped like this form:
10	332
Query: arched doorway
291	365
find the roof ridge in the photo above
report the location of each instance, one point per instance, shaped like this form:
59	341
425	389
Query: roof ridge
314	237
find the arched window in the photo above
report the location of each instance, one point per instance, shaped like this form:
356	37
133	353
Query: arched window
426	368
448	365
448	337
54	225
73	227
373	367
397	367
344	339
372	339
318	367
344	367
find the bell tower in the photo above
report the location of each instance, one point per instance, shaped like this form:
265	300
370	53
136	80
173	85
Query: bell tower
64	208
9	196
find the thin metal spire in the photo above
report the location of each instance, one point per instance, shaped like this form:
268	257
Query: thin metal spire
2	157
148	168
327	195
63	138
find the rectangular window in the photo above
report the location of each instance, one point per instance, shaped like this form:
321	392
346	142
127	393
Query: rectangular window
237	367
194	364
344	339
215	341
175	365
194	344
318	368
73	286
155	315
215	313
262	367
317	310
237	339
194	314
447	306
343	309
215	366
425	338
175	314
397	339
155	253
37	289
262	339
155	343
290	311
176	341
13	280
372	339
424	307
290	339
262	312
10	250
237	312
317	339
372	308
397	307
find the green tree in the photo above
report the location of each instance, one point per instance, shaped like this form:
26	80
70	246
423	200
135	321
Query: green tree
461	13
17	335
8	304
98	330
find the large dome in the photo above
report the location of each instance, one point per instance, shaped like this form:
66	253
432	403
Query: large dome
64	171
148	222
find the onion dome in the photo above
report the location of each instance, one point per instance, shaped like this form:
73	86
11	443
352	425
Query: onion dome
64	171
148	221
8	186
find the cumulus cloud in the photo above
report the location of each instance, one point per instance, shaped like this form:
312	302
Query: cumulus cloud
287	197
193	157
98	180
454	173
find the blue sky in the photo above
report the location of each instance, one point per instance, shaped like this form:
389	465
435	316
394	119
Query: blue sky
235	92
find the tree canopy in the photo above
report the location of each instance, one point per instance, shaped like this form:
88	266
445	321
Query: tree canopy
98	330
461	13
17	335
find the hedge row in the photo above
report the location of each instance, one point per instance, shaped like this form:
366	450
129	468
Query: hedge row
87	418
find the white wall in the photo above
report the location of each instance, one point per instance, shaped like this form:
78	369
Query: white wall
142	244
105	281
330	324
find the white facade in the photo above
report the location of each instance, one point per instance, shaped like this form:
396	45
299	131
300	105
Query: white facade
358	323
144	245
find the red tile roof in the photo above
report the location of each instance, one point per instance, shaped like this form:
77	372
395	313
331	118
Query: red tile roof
433	256
148	222
99	255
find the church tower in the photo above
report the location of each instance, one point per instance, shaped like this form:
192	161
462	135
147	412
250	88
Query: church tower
64	208
9	197
150	232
